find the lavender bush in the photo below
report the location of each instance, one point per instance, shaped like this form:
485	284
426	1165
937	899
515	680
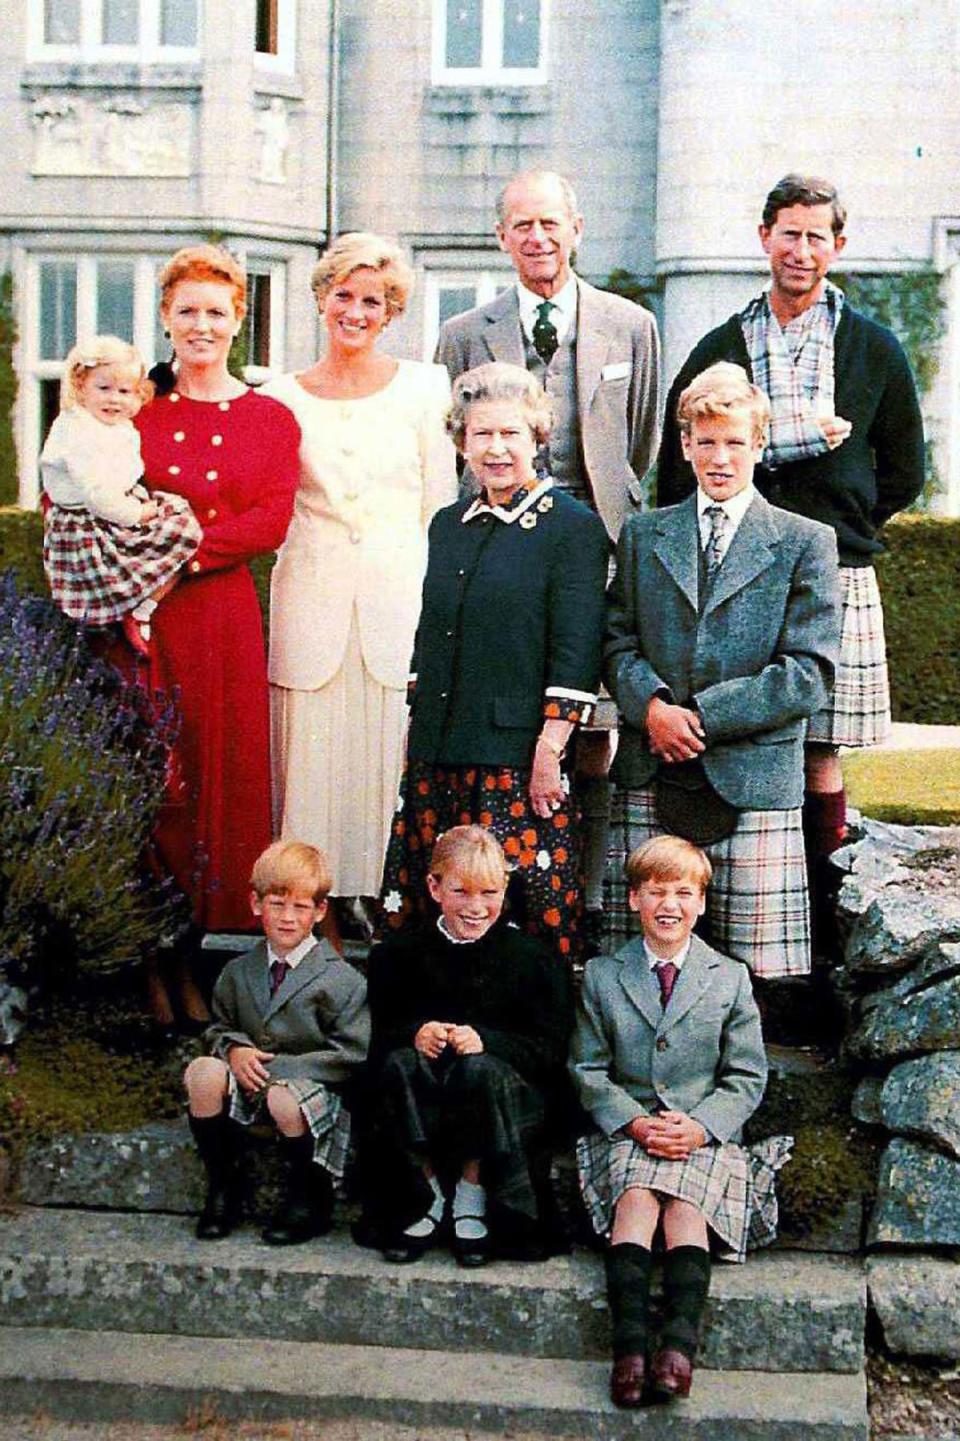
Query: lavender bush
82	769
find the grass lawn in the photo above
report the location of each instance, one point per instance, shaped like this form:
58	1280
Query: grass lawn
910	787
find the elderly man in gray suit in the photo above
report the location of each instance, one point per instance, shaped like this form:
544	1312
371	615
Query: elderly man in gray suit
724	630
598	357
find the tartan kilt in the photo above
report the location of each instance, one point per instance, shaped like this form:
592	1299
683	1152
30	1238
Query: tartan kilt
733	1187
858	712
465	1108
99	571
757	904
323	1110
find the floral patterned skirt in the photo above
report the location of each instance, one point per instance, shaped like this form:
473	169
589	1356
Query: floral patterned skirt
545	892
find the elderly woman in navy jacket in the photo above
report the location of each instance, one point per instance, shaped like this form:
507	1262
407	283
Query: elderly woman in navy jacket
506	662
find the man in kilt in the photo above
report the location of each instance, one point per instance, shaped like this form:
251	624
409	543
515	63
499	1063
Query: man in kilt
722	637
845	448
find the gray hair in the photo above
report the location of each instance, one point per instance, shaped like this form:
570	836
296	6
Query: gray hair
499	381
566	190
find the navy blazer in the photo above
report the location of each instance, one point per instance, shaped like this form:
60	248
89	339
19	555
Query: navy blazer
877	470
509	612
702	1055
756	663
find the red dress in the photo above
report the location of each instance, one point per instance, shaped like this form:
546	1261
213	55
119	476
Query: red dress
236	463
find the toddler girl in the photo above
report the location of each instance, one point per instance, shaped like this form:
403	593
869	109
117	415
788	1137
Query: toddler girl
111	550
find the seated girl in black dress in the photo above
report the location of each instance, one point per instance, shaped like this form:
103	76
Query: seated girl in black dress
470	1022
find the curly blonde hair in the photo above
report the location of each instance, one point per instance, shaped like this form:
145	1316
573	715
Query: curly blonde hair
101	350
362	250
720	389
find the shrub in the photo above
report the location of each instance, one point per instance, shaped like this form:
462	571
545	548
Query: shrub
920	582
82	772
8	392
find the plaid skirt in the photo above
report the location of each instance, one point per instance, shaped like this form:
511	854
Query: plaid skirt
323	1110
465	1108
757	906
543	854
858	713
99	571
734	1187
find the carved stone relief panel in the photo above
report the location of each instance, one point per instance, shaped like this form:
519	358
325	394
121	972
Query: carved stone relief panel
112	135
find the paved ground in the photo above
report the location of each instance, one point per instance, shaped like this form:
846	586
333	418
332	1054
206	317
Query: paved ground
210	1428
916	737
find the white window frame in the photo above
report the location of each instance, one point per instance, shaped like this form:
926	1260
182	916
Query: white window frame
31	369
277	271
285	60
485	282
491	70
90	50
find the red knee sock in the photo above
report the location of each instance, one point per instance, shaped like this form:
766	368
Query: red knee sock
824	822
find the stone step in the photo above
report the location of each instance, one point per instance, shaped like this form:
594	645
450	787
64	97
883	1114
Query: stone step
90	1270
115	1376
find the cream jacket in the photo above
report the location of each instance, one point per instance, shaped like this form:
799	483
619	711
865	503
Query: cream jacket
372	474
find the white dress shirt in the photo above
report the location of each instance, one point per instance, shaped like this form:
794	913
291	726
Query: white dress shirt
734	509
562	315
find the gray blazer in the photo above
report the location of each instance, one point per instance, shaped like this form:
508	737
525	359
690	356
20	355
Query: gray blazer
317	1024
703	1055
756	663
618	384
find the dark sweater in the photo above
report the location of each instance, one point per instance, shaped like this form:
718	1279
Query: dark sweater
879	468
507	986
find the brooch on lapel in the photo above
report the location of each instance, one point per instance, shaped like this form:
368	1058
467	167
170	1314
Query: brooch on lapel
545	504
528	520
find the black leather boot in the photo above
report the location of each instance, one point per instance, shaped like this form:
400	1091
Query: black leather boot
216	1143
305	1206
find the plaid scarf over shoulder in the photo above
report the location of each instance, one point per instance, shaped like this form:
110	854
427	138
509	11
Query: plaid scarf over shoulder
794	365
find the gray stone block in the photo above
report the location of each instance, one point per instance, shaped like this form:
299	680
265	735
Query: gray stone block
918	1198
922	1019
865	1105
898	927
917	1301
91	1270
921	1098
158	1378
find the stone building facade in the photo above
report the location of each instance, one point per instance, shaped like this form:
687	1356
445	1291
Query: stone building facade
133	126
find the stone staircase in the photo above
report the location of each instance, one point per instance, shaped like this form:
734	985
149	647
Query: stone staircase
111	1314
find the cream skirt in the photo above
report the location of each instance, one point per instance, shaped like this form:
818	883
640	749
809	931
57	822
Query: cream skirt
336	758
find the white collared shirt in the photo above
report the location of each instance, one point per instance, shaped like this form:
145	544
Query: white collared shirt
654	960
735	509
562	315
295	956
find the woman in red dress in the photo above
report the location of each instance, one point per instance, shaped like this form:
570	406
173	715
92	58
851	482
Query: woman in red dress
233	455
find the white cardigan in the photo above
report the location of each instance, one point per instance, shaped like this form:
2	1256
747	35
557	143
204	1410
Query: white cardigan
373	472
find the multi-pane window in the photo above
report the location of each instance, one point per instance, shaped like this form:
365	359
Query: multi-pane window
489	42
263	326
142	30
450	293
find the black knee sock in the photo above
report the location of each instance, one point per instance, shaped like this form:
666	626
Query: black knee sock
686	1282
628	1292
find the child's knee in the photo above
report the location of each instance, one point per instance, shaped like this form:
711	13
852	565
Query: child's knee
206	1079
285	1111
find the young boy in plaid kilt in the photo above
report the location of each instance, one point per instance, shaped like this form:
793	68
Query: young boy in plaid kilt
111	550
669	1062
723	633
290	1027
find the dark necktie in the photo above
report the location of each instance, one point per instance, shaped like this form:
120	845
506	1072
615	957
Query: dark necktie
715	540
278	969
545	338
667	974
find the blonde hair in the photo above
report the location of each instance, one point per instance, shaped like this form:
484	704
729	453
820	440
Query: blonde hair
288	866
362	250
101	350
471	852
720	390
204	263
667	858
499	381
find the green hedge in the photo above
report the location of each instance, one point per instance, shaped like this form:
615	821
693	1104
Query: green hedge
919	577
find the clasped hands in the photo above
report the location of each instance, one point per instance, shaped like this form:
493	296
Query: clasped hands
434	1037
670	1135
674	732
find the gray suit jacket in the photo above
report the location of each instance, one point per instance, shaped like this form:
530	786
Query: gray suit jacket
703	1055
317	1024
756	663
618	384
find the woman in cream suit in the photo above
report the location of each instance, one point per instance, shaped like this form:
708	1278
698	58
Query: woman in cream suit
375	464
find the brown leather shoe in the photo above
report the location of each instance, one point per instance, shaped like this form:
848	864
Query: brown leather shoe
626	1381
671	1373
